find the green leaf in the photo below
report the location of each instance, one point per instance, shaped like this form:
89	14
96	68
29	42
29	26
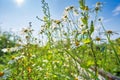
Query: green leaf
91	27
84	20
82	4
86	41
90	63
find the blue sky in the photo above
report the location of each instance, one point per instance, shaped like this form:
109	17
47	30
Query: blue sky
17	16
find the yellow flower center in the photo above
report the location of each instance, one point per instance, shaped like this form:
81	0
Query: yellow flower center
77	43
98	39
109	32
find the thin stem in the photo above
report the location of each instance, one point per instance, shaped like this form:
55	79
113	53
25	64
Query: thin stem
111	44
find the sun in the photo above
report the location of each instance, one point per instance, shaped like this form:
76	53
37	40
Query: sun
19	2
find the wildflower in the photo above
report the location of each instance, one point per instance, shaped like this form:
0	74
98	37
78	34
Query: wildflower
35	39
77	43
27	30
86	8
1	74
82	26
33	65
27	37
33	56
109	32
76	78
39	68
12	49
76	12
57	21
99	19
11	61
19	57
5	50
97	9
98	6
98	3
84	31
69	8
45	19
19	40
29	69
66	65
98	39
65	16
15	49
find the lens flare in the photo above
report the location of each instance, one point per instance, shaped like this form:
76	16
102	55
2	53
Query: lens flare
19	2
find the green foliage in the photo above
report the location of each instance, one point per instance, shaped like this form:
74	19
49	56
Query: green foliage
5	41
91	27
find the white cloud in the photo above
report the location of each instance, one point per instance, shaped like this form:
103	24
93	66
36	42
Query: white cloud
116	11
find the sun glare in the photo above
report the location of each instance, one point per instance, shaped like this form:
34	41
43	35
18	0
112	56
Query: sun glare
19	2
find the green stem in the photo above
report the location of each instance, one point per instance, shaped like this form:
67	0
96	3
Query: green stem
111	44
94	55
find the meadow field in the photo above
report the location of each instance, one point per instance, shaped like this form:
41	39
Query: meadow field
70	48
